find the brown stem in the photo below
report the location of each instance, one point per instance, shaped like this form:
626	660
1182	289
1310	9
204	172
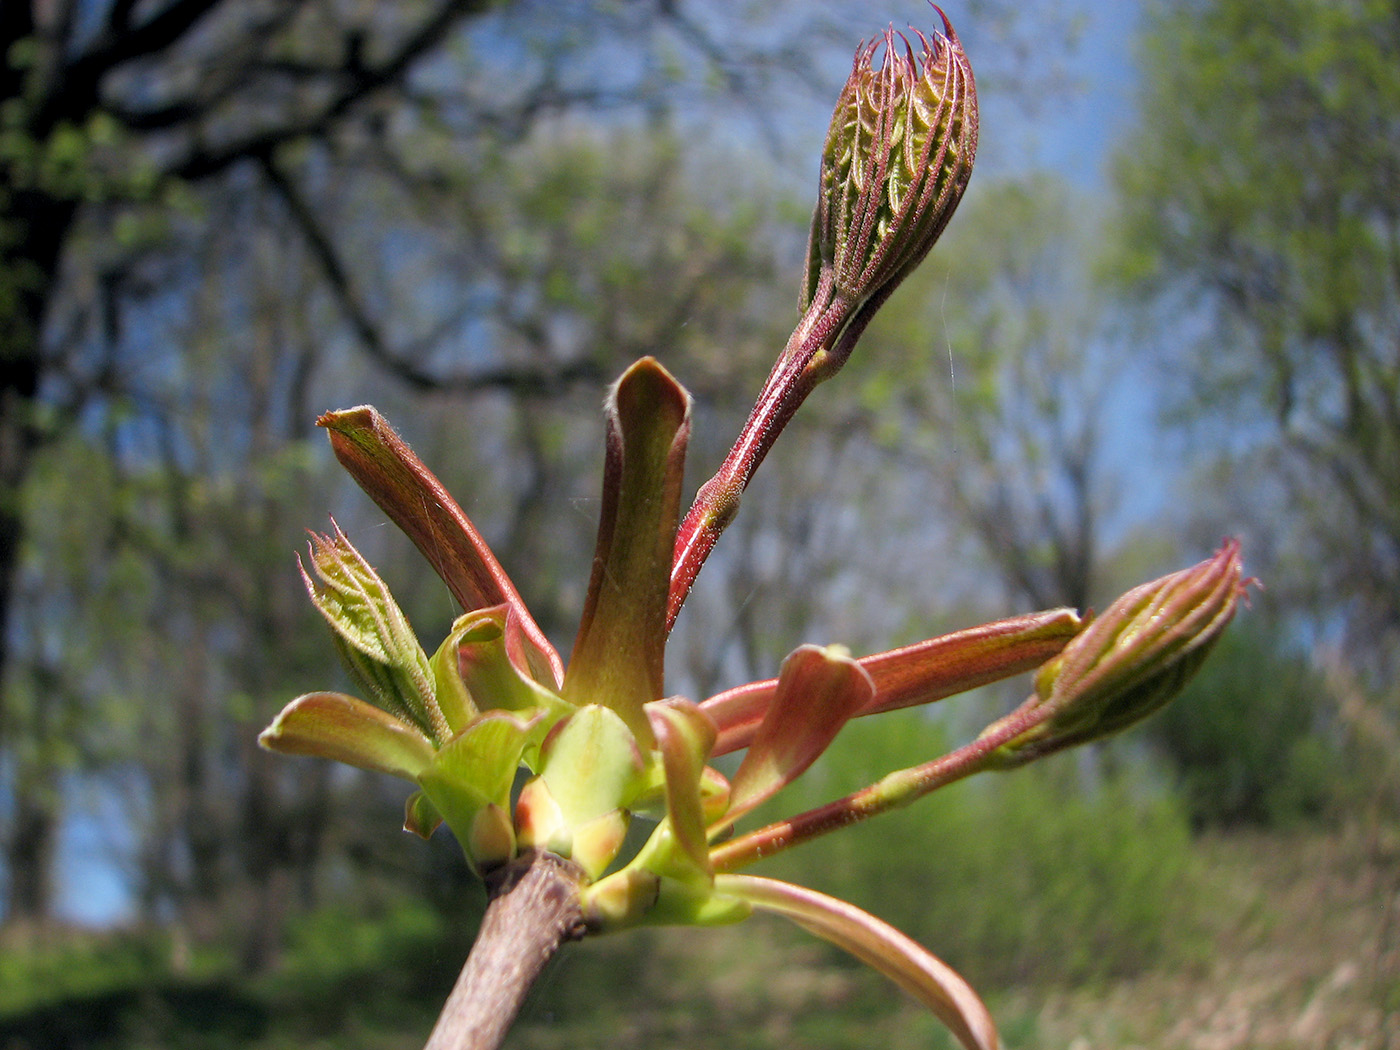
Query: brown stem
534	909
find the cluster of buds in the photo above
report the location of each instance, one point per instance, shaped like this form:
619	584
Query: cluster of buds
601	740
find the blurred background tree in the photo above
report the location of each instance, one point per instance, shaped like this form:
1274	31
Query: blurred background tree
219	218
205	205
1266	239
994	386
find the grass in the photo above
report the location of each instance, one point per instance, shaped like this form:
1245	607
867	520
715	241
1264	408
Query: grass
1301	927
1302	958
1305	958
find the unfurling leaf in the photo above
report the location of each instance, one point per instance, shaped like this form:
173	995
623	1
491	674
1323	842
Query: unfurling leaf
819	691
877	944
378	647
342	728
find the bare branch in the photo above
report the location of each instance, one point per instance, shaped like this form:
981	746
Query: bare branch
532	913
363	81
220	87
76	89
546	379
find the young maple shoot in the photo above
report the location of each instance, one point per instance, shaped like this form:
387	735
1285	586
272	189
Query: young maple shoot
601	741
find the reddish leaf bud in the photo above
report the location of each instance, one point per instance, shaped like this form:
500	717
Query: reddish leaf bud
897	160
1132	659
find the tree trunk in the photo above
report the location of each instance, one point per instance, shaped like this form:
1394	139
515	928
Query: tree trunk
32	228
29	856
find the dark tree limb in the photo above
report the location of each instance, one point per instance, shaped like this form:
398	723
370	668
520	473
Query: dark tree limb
534	909
204	161
542	380
78	87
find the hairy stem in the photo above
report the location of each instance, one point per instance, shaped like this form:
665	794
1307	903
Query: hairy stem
793	377
534	909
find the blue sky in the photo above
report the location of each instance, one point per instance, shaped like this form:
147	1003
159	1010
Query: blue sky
1073	134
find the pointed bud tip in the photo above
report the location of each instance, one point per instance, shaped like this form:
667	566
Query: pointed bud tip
897	159
648	386
948	33
1135	657
345	418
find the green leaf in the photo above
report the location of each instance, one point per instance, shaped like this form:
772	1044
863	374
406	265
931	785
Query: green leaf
493	663
454	699
591	764
343	728
380	648
476	769
578	806
684	737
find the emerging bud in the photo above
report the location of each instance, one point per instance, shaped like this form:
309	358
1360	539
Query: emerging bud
897	160
591	770
376	643
1131	660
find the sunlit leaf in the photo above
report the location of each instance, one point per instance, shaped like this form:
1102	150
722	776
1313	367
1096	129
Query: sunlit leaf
492	666
591	764
684	736
378	645
453	698
343	728
476	768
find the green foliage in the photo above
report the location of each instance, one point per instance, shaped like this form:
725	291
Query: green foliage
345	967
995	377
1270	221
349	973
1283	198
125	989
333	944
1244	737
1029	877
34	976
